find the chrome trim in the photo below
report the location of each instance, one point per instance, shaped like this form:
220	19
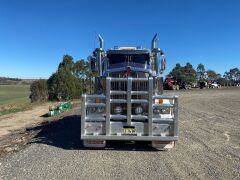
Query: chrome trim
118	92
137	51
150	107
140	79
129	97
94	105
83	114
175	112
133	138
139	92
101	96
157	120
90	119
139	117
163	105
118	101
125	68
118	116
115	79
164	97
139	101
108	105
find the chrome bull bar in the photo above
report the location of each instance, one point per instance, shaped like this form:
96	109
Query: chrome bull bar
100	123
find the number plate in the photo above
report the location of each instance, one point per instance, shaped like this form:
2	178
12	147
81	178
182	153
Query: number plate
129	131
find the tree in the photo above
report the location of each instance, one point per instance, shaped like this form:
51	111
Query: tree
64	85
222	81
232	76
67	63
219	76
81	69
84	74
185	74
68	82
190	73
39	91
201	72
235	74
177	73
227	75
212	75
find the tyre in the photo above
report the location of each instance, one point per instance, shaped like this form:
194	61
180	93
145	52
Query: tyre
177	87
173	87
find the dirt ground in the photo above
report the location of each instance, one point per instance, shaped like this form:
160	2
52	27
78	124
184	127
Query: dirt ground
208	146
14	134
11	122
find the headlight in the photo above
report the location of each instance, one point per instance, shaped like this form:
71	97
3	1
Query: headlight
156	110
139	110
118	110
161	110
90	100
165	111
100	110
91	110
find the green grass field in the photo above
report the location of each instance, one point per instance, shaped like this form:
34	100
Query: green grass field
14	98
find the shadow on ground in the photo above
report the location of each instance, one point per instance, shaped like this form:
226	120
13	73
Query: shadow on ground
65	133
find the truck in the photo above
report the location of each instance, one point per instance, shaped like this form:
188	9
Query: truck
213	84
127	103
171	84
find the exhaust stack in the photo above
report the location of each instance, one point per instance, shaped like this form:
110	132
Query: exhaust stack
154	41
99	54
101	41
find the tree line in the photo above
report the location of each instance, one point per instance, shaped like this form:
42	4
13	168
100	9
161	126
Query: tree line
70	80
187	74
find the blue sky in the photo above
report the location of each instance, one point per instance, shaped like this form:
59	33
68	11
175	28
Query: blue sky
34	34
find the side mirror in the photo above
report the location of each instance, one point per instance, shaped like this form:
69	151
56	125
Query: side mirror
93	64
163	63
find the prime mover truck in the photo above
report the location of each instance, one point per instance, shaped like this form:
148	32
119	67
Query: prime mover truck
127	102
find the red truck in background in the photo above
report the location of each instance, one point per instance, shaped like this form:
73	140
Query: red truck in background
171	83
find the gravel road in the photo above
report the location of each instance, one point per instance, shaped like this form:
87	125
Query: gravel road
208	148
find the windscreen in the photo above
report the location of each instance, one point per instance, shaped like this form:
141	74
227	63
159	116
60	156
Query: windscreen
135	58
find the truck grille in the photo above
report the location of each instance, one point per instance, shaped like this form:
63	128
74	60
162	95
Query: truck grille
99	120
140	86
129	94
122	85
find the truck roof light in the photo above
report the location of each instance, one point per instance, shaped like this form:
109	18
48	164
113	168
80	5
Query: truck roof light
127	48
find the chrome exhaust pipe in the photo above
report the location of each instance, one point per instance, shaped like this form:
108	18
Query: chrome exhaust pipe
101	41
154	41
